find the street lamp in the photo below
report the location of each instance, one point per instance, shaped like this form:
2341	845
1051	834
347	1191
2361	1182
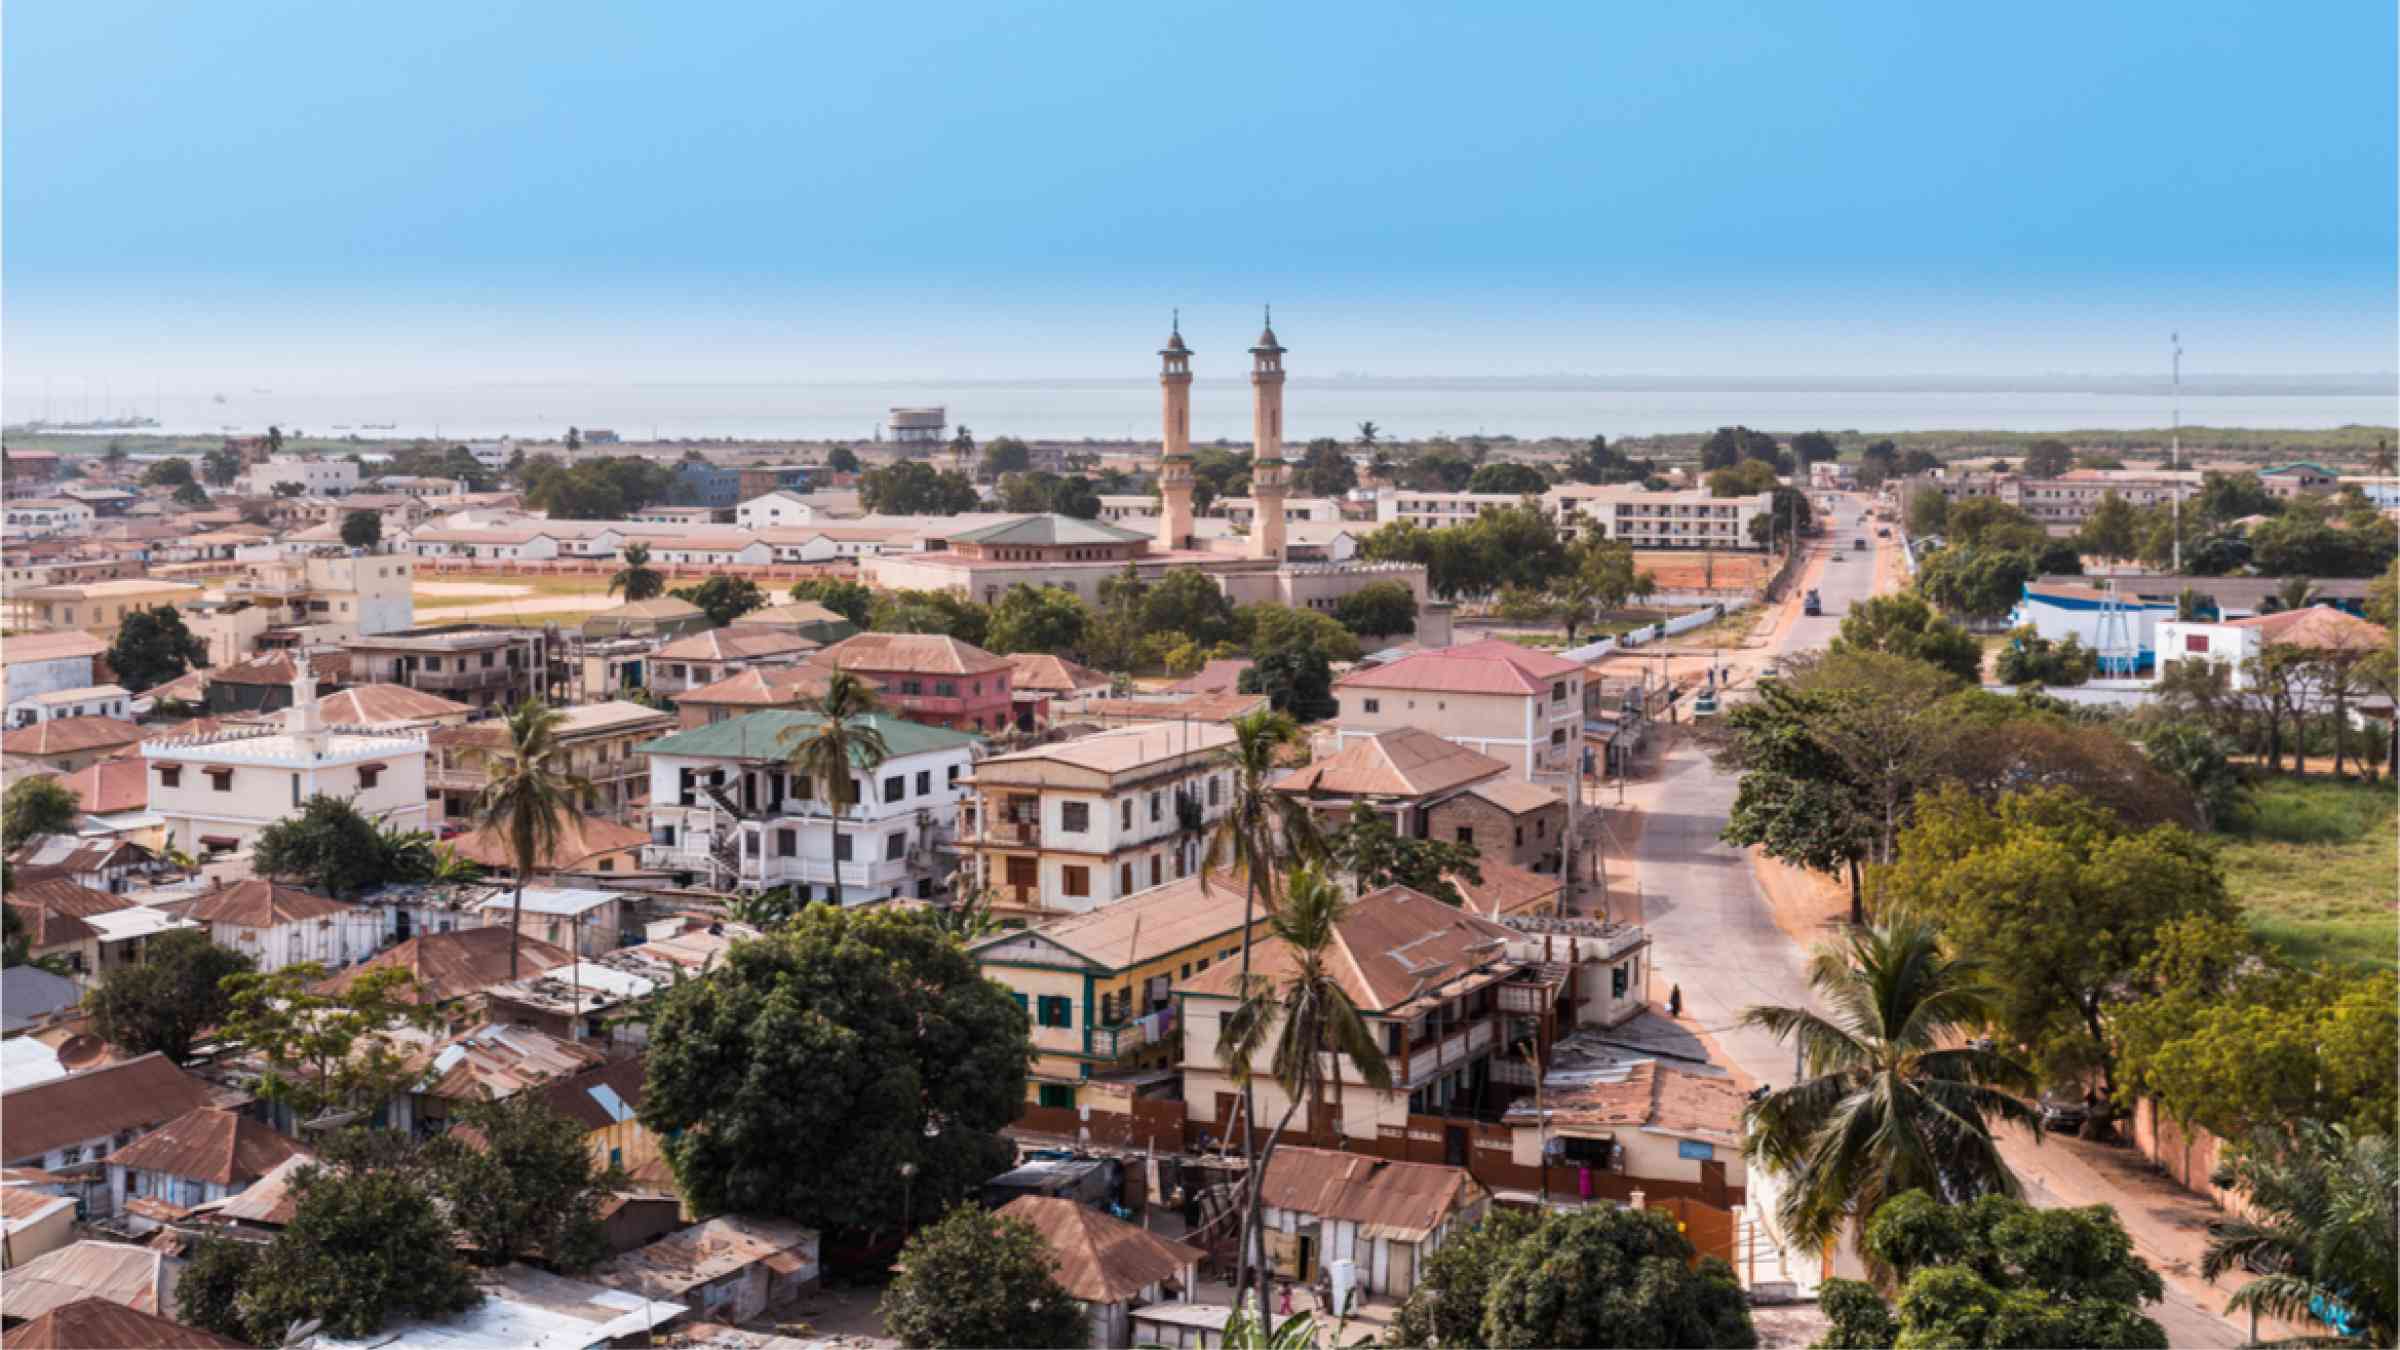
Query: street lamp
908	1196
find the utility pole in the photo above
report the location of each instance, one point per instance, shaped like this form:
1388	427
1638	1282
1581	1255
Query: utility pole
2175	453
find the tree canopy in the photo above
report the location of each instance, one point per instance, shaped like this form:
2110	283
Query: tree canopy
35	805
1047	619
362	529
849	599
1904	625
1607	1276
723	598
328	847
167	999
978	1279
911	487
153	646
363	1247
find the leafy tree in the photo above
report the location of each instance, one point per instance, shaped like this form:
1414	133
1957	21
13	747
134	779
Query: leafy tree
2227	497
931	612
1295	679
1264	626
1904	625
2030	658
1382	608
208	1289
1880	721
1744	479
1602	577
363	1248
1596	462
1376	855
528	796
1878	462
637	578
2308	540
526	1184
2048	459
1508	477
1303	1025
169	998
1988	522
979	1279
2383	598
1189	604
895	1030
362	529
1998	1272
1048	619
153	646
1797	801
1928	511
912	487
1892	1097
192	495
327	847
1918	462
1994	743
849	599
723	598
1979	583
842	459
35	805
1005	455
2112	530
2322	1216
1728	446
1437	468
2193	755
219	467
2061	905
1446	1306
325	1052
1325	471
1814	447
840	752
168	473
1606	1276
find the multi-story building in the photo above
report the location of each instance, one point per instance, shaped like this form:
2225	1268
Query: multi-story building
601	744
705	658
1242	511
49	515
44	663
469	663
316	477
1692	518
1070	826
26	472
408	485
929	677
362	594
752	691
96	607
216	791
1430	788
2066	501
1099	987
757	480
1520	706
727	805
1433	510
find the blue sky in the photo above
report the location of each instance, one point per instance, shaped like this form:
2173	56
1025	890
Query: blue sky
1014	190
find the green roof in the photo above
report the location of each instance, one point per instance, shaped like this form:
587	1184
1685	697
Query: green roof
1049	529
2297	465
759	735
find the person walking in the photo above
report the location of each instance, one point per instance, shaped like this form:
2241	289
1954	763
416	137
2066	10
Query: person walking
1675	1001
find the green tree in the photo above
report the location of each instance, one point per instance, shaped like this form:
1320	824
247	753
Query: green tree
2227	497
1814	447
979	1279
1904	625
209	1287
849	599
1892	1097
2030	658
912	1056
1446	1306
219	467
1302	1024
1979	583
1606	1276
194	496
2324	1217
35	805
326	1052
1189	604
1997	1272
363	1248
528	797
152	646
1296	680
931	612
1728	446
362	529
1382	608
1508	477
1265	626
1747	478
723	598
1601	578
2194	756
911	487
841	752
165	1001
1928	511
1880	720
842	459
2061	905
168	473
1878	462
2048	459
2112	530
1325	471
327	847
526	1184
1048	619
637	578
1797	801
1375	855
1005	455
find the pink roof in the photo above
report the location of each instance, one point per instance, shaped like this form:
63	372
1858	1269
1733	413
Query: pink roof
1491	666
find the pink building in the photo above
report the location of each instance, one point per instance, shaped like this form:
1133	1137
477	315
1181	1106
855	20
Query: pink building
929	677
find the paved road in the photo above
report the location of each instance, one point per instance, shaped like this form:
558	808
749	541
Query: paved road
1711	932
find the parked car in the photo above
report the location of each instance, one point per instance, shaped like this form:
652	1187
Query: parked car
1883	531
2063	1115
1705	705
1811	605
1859	543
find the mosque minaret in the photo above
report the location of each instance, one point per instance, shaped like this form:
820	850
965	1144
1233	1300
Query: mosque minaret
1270	477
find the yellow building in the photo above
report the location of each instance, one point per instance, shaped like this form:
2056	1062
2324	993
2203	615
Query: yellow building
96	607
1099	987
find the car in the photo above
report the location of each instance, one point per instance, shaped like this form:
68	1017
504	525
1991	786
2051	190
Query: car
1883	531
2063	1115
1705	705
1812	606
1859	543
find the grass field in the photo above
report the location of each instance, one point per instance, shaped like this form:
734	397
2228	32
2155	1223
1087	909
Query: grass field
2316	865
518	588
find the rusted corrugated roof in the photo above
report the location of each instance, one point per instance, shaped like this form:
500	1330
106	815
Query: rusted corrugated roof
1392	945
209	1144
70	735
768	687
1398	1199
111	785
494	1061
1100	1259
690	1257
735	644
62	896
1407	763
268	1202
119	1272
46	928
371	705
453	965
1045	673
258	903
87	1323
586	1097
143	1091
909	654
581	838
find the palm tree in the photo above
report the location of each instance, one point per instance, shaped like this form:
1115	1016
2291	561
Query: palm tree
528	794
1368	432
841	745
1891	1099
2324	1207
638	579
2294	593
1303	1025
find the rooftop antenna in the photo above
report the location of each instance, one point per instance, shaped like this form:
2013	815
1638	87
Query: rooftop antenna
2175	452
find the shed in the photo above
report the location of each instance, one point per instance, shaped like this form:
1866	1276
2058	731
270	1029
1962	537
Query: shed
1321	1205
1108	1265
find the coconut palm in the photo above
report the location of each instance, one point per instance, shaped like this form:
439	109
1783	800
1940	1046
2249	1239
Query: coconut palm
1368	433
841	749
528	796
638	579
1302	1024
2324	1222
1891	1097
1261	827
2294	593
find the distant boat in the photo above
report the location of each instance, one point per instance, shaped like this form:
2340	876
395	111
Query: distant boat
220	398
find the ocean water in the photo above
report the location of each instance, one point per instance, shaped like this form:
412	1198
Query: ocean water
1111	410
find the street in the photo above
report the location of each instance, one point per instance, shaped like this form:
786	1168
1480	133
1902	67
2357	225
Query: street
1712	932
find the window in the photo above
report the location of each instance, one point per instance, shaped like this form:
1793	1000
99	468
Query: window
895	846
1373	705
895	787
2196	642
1215	786
912	686
953	780
1058	1095
1125	814
1466	834
1155	799
841	847
220	780
170	775
1057	1010
1558	736
1520	836
750	843
1125	878
787	843
945	688
1154	869
1074	817
368	774
924	781
1076	881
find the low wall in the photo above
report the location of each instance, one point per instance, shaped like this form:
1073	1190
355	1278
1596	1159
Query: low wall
1675	627
2188	1154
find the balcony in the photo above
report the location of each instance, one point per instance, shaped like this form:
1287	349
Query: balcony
1119	1041
1461	1044
1530	1000
1514	1072
484	677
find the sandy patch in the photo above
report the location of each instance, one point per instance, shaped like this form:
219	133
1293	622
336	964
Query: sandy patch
473	590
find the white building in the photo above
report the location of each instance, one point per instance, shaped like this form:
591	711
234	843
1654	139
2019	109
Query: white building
780	507
2121	628
316	477
358	594
277	926
1683	518
724	802
99	700
2319	628
49	515
216	791
1433	510
45	663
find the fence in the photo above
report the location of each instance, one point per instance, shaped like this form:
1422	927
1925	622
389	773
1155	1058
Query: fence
1680	624
582	567
2186	1153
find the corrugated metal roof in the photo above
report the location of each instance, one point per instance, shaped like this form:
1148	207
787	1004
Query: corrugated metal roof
1398	1199
143	1091
70	735
581	838
455	964
909	654
258	903
690	1257
1410	762
209	1144
87	1323
1100	1259
1392	945
119	1272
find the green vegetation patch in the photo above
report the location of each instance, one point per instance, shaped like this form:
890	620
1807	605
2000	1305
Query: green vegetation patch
2316	864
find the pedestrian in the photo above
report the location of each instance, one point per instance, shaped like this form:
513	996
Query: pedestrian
1284	1309
1675	1001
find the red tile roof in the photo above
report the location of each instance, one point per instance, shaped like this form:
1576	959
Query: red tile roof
581	839
909	654
70	736
455	964
1392	945
768	687
2319	628
1100	1259
1488	667
119	783
371	705
1410	762
735	644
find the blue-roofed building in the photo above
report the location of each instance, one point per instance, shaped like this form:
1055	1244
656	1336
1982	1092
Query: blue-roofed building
698	483
2121	627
